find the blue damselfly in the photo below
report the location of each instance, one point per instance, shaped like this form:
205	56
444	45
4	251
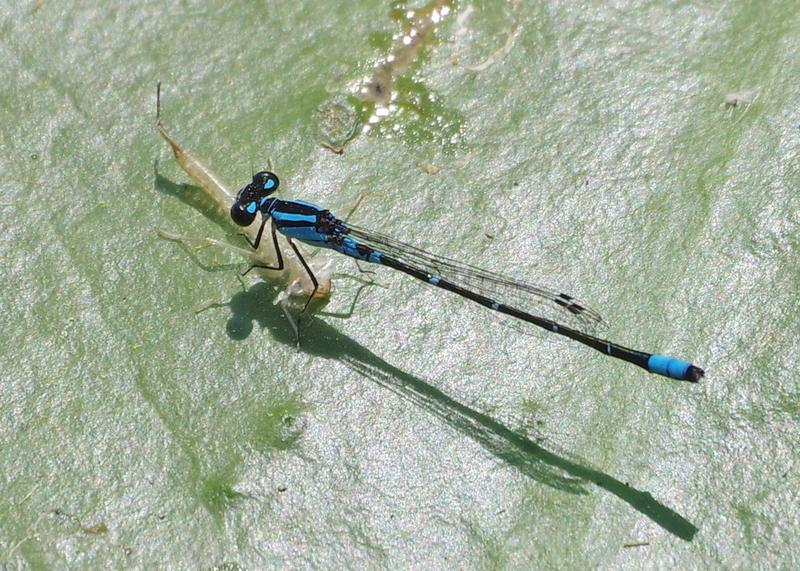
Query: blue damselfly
548	309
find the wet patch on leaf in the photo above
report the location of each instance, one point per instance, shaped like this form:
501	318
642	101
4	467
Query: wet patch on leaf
279	426
390	102
217	493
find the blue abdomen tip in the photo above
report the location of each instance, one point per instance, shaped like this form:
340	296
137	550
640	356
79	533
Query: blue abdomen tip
674	368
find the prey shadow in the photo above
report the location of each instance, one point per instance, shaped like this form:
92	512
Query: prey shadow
530	458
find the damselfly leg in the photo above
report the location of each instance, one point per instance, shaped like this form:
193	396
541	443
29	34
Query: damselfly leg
308	269
280	264
349	313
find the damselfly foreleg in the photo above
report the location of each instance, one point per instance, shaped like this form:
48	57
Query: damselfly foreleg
280	265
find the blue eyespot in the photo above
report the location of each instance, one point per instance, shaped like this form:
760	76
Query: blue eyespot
269	183
251	207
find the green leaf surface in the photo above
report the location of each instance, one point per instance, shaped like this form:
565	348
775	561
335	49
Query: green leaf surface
586	146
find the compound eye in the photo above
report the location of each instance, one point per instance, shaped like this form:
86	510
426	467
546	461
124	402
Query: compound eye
267	181
244	215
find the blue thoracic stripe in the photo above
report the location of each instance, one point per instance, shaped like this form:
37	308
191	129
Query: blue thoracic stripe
668	366
284	217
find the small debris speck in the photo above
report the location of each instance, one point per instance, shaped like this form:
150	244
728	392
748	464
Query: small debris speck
736	98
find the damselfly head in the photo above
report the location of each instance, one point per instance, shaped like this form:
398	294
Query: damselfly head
252	196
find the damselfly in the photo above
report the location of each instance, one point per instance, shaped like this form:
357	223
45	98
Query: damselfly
299	289
550	310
